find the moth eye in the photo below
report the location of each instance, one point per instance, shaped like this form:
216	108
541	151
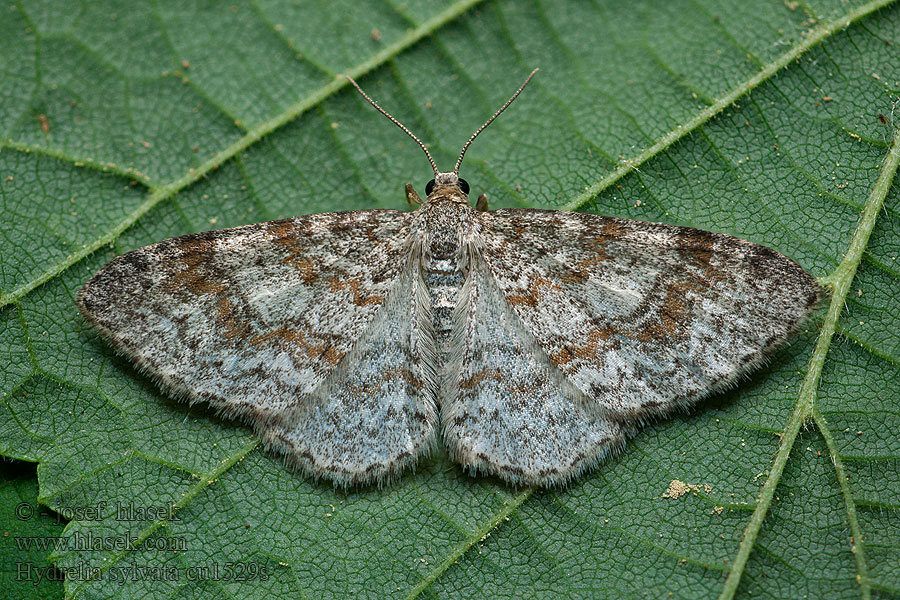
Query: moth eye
429	187
464	186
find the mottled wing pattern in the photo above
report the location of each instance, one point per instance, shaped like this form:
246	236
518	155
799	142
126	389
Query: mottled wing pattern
643	317
295	323
375	414
505	409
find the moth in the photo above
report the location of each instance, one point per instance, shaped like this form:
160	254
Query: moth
530	343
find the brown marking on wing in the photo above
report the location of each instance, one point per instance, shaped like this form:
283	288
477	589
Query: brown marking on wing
532	296
285	230
673	314
698	250
585	266
589	350
296	258
404	374
610	231
522	390
575	276
227	317
352	285
371	232
293	337
289	236
307	268
411	379
522	300
193	274
332	357
476	379
702	259
295	252
581	272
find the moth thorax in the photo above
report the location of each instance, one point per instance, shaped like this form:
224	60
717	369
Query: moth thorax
444	244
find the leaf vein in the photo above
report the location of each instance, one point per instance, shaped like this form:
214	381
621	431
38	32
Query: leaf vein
185	499
814	37
479	534
858	548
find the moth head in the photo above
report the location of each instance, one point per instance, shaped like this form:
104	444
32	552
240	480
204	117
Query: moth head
447	179
452	178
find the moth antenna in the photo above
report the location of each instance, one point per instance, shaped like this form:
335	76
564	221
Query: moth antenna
489	121
396	122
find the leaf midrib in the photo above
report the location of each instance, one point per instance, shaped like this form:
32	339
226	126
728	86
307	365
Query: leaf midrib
806	409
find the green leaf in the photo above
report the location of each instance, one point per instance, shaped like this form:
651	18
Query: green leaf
126	123
28	533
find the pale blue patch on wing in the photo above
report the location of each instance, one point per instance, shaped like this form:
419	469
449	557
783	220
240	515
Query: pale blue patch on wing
376	413
511	412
